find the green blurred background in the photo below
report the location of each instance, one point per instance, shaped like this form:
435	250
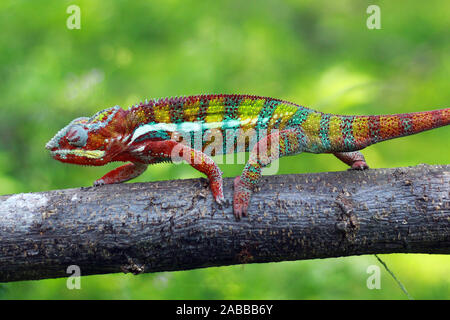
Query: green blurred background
315	53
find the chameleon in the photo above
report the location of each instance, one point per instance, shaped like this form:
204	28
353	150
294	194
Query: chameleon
195	128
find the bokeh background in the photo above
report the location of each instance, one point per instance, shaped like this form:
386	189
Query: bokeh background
316	53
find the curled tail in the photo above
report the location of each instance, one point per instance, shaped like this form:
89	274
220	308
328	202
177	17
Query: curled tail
368	130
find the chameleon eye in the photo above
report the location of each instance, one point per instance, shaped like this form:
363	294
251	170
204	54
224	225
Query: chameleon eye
77	136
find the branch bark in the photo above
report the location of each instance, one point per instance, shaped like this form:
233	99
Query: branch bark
175	225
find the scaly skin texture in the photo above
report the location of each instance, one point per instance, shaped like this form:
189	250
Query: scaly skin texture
195	128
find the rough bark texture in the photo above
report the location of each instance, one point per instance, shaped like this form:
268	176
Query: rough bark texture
174	225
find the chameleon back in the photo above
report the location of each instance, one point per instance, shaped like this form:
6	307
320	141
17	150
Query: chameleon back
233	123
222	123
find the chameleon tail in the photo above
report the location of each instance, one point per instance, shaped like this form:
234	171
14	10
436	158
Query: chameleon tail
368	130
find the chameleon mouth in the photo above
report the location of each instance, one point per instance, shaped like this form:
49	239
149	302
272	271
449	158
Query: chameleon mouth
91	154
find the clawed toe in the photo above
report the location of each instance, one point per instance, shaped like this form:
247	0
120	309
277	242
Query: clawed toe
99	182
359	165
220	199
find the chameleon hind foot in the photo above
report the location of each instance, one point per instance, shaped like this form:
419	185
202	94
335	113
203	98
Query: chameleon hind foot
354	159
268	149
359	165
241	198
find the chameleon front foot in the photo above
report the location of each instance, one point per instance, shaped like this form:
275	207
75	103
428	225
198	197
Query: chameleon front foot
121	174
99	182
241	198
216	186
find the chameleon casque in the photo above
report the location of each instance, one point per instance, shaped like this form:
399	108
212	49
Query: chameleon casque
147	134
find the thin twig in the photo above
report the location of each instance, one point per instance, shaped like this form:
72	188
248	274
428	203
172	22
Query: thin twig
395	278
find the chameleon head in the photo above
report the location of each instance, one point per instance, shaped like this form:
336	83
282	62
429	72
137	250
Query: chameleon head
90	141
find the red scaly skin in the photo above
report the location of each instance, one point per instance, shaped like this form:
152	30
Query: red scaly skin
150	133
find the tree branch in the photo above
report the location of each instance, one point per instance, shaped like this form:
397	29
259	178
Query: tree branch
174	225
